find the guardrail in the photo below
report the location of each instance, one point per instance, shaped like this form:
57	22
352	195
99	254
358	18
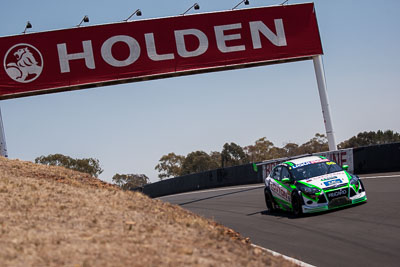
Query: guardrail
370	159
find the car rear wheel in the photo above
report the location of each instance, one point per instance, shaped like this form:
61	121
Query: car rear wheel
296	205
269	201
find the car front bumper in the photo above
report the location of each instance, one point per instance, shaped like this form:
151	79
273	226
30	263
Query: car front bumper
335	204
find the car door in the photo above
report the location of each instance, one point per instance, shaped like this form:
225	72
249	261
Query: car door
279	190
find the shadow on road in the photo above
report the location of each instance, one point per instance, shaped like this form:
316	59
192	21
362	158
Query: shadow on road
278	213
216	196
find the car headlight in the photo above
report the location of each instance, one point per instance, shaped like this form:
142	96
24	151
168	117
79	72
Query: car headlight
309	190
354	180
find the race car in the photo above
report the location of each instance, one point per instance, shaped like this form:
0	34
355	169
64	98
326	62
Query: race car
312	184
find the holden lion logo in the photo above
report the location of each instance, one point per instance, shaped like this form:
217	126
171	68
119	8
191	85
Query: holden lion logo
23	63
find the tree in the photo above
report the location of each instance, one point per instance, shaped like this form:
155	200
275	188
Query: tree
260	151
130	181
318	143
291	149
277	152
232	155
86	165
217	158
198	161
170	165
371	138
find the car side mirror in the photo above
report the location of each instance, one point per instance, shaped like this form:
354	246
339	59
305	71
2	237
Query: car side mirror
345	167
285	180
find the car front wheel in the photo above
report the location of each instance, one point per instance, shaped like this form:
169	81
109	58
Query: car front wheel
296	205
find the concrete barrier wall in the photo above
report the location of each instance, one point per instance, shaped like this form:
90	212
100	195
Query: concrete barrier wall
380	158
238	175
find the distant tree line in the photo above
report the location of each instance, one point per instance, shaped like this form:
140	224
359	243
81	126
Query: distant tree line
89	165
371	138
92	166
172	165
130	181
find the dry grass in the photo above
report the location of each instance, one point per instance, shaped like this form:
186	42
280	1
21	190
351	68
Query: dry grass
51	216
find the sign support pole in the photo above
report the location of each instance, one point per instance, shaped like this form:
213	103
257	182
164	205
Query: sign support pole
3	146
323	95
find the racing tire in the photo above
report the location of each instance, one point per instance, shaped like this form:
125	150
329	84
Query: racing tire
269	200
297	205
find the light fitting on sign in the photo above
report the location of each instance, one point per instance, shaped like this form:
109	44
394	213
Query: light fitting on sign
195	6
85	19
246	2
137	13
27	26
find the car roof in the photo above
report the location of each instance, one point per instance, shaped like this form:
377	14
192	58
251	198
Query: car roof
298	161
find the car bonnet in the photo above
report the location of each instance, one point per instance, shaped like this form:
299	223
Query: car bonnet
327	180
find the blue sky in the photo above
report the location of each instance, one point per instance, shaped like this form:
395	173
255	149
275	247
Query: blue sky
129	127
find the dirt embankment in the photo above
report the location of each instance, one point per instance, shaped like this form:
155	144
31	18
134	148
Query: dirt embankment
51	216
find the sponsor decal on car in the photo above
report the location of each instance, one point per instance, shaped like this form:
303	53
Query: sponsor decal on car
338	193
332	182
309	162
329	178
280	192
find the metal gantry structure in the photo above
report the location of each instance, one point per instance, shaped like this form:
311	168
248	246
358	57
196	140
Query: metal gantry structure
319	73
3	145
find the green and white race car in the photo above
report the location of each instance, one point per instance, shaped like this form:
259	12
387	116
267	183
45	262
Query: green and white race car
312	184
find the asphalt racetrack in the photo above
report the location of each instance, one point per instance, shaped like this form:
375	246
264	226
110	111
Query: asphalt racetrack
363	235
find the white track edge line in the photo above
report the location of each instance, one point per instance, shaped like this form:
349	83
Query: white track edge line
377	177
277	254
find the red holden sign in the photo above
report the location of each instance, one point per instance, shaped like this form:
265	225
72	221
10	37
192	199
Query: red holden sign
85	57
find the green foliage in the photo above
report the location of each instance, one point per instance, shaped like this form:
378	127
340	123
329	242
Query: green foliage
260	151
198	161
89	165
216	158
276	152
291	149
170	165
318	143
130	181
173	165
371	138
232	155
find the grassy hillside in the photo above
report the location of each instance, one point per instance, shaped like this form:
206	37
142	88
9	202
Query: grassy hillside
51	216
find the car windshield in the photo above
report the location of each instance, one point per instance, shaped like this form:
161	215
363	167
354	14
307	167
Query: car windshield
314	170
